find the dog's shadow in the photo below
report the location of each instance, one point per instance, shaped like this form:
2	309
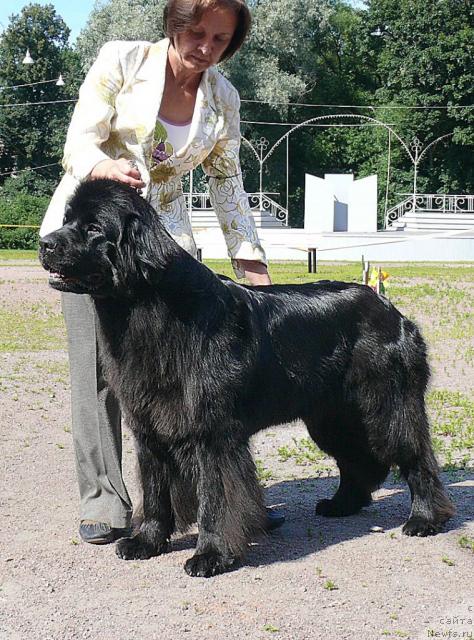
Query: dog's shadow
305	533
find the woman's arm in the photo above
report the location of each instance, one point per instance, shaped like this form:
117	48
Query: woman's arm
230	201
90	124
255	272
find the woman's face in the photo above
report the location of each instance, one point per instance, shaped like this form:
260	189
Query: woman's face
203	44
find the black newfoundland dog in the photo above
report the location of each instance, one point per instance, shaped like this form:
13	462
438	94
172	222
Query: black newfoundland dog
201	363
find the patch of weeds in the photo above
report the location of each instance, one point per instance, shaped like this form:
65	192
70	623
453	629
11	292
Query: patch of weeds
466	542
329	585
304	452
448	561
263	474
270	628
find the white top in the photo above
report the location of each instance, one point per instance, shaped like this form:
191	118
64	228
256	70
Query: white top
171	138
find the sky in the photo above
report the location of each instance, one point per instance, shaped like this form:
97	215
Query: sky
74	13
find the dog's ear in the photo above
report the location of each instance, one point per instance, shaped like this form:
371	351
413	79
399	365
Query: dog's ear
141	249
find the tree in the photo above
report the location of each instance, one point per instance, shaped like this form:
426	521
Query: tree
425	59
120	20
308	52
33	135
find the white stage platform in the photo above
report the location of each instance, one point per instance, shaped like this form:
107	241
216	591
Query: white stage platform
383	246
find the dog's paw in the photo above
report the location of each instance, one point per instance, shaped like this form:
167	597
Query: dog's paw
334	509
337	508
138	549
206	565
417	526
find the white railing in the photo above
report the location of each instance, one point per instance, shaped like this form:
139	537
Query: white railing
430	203
257	201
263	202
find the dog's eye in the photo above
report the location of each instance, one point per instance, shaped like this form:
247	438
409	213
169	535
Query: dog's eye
93	228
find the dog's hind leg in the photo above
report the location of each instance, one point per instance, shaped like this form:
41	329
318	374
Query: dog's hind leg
400	435
359	476
231	507
431	507
157	525
360	472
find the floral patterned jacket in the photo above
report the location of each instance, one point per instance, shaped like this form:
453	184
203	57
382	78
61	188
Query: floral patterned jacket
115	117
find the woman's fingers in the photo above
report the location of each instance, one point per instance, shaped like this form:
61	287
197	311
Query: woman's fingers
133	182
129	173
121	170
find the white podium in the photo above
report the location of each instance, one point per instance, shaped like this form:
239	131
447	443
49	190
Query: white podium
340	203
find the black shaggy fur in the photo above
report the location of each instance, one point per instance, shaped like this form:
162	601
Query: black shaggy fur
201	363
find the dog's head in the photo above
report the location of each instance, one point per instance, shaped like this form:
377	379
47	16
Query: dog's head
111	242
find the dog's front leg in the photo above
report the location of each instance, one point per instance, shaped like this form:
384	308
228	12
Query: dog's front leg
153	537
230	508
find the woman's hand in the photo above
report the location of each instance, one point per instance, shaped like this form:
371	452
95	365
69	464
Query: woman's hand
255	272
121	170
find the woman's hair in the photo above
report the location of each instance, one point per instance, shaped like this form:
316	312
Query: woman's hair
180	15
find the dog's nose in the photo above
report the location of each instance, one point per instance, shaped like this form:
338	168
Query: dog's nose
47	244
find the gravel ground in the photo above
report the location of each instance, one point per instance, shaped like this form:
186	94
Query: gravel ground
313	578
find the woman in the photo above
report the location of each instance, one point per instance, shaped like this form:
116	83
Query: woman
146	115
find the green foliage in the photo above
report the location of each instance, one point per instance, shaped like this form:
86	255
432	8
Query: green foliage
425	59
120	20
33	135
29	182
22	209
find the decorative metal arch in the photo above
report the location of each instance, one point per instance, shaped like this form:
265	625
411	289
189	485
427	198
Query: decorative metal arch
415	146
339	115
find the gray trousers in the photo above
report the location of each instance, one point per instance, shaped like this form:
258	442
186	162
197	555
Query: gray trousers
96	421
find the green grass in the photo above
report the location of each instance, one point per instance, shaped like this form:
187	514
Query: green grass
17	255
32	330
452	423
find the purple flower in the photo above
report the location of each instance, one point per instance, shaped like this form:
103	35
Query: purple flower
159	154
